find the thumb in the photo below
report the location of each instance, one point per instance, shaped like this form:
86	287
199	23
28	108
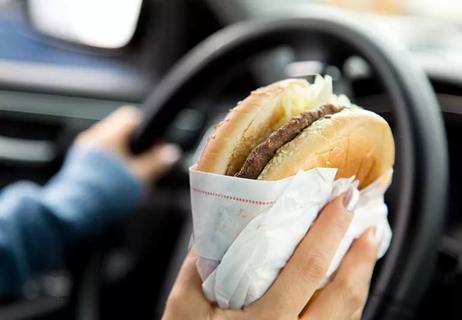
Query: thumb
155	162
186	299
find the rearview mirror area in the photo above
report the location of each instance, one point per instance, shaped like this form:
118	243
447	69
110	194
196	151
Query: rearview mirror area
108	24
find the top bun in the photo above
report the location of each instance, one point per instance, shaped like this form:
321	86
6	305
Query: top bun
245	126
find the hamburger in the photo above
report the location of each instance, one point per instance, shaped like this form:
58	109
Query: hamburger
294	125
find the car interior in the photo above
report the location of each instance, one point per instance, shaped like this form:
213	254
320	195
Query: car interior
65	65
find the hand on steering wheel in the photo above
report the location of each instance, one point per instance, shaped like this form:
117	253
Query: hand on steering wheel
112	135
293	295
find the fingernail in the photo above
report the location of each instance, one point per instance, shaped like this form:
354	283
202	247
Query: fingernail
170	153
350	198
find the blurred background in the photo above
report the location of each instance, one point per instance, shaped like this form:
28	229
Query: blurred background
65	64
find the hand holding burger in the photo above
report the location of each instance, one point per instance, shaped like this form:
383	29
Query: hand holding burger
292	294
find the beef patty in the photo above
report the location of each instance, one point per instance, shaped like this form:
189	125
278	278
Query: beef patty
265	151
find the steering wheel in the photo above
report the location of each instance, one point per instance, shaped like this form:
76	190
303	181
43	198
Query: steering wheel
420	181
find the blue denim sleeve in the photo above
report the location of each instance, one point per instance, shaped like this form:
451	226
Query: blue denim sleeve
37	225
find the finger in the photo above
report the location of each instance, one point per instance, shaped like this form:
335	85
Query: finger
188	277
124	112
123	121
122	115
357	315
118	127
186	294
114	129
350	286
307	267
155	162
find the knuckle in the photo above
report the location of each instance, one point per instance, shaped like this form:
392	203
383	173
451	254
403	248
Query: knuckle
339	223
357	298
81	136
175	298
358	314
85	136
314	266
354	293
265	313
278	315
122	111
129	112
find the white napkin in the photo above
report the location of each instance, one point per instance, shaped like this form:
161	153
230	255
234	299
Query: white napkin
245	231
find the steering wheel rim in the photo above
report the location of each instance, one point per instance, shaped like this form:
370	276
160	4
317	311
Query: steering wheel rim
422	145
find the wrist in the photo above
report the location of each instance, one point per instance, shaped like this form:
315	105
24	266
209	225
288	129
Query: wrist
94	188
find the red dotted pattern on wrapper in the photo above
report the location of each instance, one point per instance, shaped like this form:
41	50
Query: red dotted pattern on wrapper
228	197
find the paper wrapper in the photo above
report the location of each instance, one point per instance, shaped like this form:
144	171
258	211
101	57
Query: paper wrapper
244	231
